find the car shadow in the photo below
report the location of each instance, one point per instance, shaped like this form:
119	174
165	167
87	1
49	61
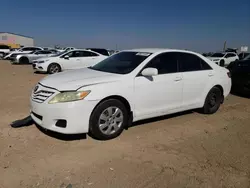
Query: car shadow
41	73
63	137
239	94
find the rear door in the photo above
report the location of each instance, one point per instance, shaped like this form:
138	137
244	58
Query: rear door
40	54
197	78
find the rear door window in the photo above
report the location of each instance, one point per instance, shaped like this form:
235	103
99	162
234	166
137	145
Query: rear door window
190	62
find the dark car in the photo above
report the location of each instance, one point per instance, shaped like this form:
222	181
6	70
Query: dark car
100	51
240	73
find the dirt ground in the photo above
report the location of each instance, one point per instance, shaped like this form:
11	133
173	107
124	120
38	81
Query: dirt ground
183	150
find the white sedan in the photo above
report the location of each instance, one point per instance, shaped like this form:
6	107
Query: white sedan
128	86
74	59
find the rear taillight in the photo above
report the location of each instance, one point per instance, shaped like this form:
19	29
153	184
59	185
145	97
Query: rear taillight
229	74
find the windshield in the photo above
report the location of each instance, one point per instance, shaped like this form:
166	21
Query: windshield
247	57
218	55
32	52
56	55
121	63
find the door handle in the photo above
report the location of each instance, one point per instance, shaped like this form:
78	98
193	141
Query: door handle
77	59
178	79
210	74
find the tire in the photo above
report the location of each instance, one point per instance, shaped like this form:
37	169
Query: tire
222	63
212	101
24	60
54	68
102	115
1	55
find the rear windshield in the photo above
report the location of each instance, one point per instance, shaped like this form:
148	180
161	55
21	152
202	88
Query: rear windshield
100	51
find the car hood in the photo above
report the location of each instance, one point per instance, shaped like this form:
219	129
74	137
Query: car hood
75	79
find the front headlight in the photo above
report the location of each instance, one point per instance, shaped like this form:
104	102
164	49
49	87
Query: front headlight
42	61
69	96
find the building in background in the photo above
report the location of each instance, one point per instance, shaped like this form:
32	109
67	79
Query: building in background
15	40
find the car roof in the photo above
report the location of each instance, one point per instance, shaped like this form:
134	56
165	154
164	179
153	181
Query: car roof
159	50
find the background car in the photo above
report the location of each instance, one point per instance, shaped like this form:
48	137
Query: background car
126	87
240	72
23	50
223	58
4	49
28	58
73	59
242	55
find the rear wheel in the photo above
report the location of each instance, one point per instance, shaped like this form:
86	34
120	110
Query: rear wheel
24	60
108	120
54	68
213	101
1	55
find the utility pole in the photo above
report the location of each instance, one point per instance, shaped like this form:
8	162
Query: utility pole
224	47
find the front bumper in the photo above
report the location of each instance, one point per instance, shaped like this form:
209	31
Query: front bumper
76	114
39	67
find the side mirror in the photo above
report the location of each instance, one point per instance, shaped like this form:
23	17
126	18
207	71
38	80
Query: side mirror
66	57
149	72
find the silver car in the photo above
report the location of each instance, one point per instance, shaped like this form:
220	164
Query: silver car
28	58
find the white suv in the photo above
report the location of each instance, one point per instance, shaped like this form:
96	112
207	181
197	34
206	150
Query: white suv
223	58
73	59
128	86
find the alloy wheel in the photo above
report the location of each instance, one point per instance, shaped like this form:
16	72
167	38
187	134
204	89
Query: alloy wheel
110	120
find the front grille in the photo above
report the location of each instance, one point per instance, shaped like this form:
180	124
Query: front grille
41	96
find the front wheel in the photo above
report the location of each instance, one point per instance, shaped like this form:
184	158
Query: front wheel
108	120
213	101
222	63
54	68
24	60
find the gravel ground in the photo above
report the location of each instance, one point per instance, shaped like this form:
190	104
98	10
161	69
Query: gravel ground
182	150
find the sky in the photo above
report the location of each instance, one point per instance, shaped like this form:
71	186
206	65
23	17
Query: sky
198	25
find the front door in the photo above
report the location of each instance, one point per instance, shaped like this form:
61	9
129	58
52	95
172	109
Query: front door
71	60
158	95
